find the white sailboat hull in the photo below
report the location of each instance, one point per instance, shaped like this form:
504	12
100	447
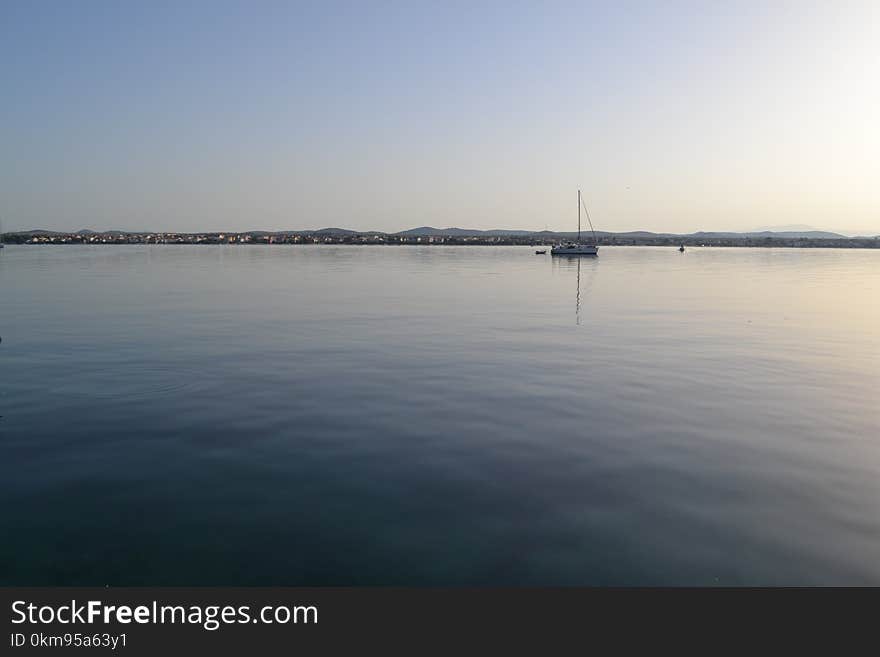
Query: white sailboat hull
575	249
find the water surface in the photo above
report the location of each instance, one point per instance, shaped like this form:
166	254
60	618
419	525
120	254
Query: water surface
438	416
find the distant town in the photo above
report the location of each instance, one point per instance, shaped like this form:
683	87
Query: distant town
445	236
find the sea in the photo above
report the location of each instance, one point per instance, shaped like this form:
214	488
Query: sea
438	416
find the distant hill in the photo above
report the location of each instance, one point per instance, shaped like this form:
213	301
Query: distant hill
638	233
472	232
89	231
461	232
806	234
36	232
430	231
467	232
333	231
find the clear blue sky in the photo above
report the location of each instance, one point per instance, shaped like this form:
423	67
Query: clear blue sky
219	115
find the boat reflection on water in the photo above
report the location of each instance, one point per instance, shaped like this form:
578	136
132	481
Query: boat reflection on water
590	268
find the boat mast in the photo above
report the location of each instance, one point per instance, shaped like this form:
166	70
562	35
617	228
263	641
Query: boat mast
579	217
586	212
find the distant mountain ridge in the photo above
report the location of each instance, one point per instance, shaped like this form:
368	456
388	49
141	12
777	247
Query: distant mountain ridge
461	232
430	231
793	234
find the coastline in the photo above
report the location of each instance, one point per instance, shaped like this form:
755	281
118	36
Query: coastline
381	239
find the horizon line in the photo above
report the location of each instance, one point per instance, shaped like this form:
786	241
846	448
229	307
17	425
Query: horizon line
442	231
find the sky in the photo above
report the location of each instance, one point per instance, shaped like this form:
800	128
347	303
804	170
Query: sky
377	115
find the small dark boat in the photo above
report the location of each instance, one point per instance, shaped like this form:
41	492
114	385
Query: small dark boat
541	252
681	248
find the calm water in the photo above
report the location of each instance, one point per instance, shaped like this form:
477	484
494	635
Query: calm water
442	416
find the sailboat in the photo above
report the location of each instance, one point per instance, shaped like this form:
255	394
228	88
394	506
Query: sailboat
2	236
578	248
